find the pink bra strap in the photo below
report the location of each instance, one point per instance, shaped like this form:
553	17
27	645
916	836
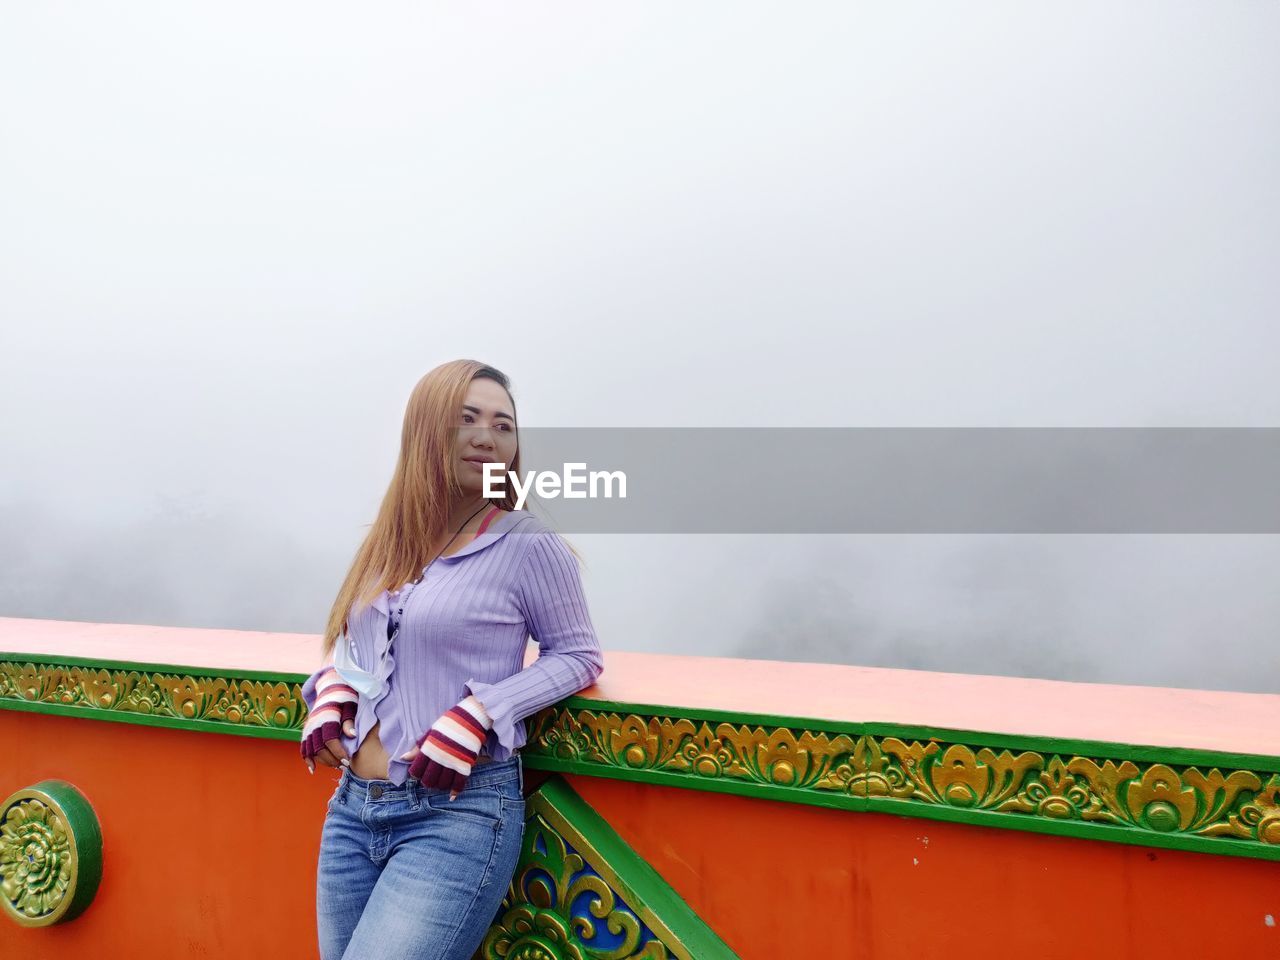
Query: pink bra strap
485	522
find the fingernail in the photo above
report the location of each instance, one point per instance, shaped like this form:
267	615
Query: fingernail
345	762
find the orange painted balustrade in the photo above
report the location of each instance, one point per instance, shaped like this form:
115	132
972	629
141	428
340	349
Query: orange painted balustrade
740	807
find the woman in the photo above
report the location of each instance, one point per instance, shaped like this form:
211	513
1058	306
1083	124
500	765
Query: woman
424	693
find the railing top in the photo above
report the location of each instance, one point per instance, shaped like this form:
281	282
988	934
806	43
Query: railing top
1216	720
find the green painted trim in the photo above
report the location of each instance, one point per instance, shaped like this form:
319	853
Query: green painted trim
1127	751
291	734
1060	828
253	703
978	818
87	834
633	878
534	760
143	666
1121	793
1238	813
1185	756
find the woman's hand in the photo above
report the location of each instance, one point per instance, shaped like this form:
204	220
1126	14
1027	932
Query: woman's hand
332	715
446	753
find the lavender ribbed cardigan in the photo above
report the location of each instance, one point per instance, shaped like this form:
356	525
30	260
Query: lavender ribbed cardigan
465	629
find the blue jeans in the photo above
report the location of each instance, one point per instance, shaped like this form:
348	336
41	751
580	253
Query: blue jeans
404	872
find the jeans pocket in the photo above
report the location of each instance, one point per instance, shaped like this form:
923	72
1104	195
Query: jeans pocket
478	803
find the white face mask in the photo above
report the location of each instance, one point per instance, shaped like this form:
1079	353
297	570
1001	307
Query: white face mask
344	662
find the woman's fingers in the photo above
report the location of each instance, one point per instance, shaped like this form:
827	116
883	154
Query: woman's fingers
324	756
435	774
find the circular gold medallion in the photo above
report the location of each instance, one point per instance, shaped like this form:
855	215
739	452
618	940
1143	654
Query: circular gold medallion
50	853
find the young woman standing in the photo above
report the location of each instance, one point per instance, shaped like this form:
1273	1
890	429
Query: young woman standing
424	692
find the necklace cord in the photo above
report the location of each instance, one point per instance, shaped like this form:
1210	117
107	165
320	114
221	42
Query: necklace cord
451	539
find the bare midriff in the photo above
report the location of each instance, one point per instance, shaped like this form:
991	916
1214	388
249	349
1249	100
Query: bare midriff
371	760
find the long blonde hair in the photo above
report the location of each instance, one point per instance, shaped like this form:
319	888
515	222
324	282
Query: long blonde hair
415	510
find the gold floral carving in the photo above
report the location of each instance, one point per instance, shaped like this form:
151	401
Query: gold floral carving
1146	799
37	859
558	905
1142	797
178	697
50	854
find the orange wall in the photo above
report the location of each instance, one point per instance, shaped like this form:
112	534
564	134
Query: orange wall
209	840
210	844
793	882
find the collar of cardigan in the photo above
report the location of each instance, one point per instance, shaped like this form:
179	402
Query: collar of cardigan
499	528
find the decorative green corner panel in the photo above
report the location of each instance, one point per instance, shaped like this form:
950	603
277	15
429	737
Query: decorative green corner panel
580	892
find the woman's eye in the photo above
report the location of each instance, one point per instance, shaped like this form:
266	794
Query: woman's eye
506	427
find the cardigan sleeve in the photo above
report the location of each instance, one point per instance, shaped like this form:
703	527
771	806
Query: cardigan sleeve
569	654
309	685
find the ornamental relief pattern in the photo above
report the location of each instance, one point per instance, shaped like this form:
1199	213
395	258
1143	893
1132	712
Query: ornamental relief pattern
50	854
214	700
1150	797
37	861
558	907
1142	799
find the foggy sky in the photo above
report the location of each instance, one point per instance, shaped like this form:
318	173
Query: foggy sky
233	237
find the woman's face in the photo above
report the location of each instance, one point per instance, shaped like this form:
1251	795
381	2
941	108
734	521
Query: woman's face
486	431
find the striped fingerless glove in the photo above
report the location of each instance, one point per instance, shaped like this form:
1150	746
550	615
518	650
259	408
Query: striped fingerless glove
334	705
445	755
